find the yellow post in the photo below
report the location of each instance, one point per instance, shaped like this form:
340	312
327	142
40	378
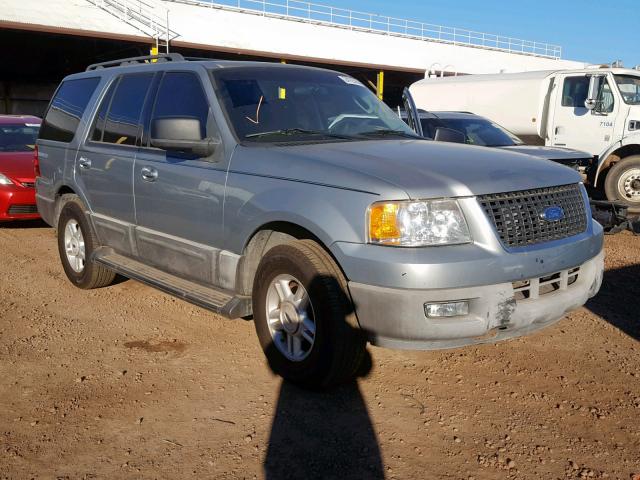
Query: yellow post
380	85
154	51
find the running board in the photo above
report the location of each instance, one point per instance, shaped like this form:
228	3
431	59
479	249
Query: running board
219	301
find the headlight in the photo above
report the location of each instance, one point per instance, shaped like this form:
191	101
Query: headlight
417	223
5	180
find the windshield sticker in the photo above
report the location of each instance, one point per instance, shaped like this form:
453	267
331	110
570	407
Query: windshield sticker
350	80
282	93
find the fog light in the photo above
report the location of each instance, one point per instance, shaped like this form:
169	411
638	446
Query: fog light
446	309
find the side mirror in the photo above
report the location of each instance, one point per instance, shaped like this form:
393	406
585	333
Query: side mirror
450	135
592	96
182	134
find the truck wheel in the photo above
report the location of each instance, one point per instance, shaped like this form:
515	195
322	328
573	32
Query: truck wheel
304	316
623	183
76	243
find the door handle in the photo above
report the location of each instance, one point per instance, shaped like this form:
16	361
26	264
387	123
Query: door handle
149	174
85	163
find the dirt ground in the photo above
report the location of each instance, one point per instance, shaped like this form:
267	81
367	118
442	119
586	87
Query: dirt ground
126	382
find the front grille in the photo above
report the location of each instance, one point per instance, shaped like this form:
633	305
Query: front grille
517	215
22	209
28	184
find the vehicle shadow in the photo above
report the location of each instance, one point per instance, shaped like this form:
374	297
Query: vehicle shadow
617	301
324	434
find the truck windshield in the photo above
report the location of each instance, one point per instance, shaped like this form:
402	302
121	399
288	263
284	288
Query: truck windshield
477	131
629	87
283	104
18	138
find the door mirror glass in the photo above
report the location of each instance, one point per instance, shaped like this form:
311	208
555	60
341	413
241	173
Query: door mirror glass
449	135
181	134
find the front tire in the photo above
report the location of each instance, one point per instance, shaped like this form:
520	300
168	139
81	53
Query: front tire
76	242
623	183
304	316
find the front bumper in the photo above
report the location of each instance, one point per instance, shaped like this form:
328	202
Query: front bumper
17	203
396	318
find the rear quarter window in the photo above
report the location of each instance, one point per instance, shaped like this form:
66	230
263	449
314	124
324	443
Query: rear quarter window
66	109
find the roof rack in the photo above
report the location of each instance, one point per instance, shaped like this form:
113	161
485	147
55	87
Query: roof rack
202	59
162	57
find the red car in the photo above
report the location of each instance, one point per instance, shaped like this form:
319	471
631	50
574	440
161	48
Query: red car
18	134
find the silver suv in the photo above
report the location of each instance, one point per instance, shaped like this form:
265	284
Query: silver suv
293	195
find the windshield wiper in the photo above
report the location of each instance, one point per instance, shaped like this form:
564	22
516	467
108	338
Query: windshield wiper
297	131
389	133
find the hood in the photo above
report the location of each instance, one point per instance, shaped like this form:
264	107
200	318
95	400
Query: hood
18	166
549	153
420	168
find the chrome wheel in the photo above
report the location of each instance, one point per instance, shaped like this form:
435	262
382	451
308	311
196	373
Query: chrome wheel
290	317
74	246
629	185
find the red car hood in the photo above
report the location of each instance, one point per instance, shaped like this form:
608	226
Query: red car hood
18	166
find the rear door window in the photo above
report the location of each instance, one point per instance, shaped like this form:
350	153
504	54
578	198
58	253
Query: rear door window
66	109
122	124
101	116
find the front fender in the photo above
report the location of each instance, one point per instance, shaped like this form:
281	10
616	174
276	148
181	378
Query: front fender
603	160
331	214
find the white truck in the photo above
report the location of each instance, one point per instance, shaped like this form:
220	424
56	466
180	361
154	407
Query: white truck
596	109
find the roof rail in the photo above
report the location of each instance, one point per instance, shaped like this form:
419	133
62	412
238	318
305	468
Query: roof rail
162	57
202	59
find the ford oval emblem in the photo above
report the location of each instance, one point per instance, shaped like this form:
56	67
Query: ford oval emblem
552	214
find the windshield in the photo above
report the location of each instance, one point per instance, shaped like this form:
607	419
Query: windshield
272	104
18	138
629	87
477	131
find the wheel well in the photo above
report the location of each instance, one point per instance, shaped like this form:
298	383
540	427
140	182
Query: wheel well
63	190
614	157
263	239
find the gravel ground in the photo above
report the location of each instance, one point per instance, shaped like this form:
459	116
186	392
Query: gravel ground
126	382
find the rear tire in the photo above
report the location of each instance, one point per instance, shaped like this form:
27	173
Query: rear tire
623	183
315	343
76	243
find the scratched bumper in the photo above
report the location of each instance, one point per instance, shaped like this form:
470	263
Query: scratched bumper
395	318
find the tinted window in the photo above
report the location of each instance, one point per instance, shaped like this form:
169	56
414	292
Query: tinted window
575	91
479	131
101	117
122	125
181	95
67	108
18	138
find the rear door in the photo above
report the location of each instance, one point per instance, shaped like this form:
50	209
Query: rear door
105	161
574	126
178	196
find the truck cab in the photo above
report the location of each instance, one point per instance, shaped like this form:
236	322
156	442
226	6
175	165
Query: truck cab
599	111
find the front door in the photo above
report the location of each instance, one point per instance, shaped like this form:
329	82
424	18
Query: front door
575	126
179	197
